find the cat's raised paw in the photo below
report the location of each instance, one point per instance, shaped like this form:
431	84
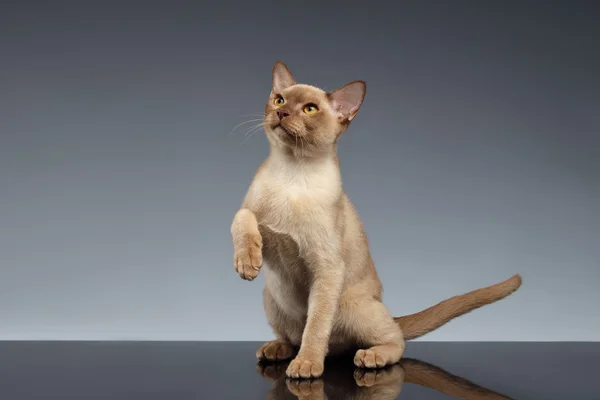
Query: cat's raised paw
247	258
276	350
304	368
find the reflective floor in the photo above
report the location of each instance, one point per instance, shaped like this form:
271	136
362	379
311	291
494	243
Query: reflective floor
228	370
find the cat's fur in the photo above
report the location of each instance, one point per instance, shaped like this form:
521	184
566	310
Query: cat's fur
322	294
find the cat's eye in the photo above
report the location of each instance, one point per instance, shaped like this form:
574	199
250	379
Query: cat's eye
279	101
310	109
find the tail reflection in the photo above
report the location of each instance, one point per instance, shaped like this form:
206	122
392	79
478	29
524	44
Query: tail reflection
342	381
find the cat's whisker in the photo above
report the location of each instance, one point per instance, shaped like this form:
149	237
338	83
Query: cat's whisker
251	132
252	115
243	123
248	137
259	125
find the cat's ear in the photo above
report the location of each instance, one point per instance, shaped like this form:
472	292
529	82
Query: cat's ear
282	77
347	99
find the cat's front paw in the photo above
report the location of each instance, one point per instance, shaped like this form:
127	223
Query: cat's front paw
247	257
301	367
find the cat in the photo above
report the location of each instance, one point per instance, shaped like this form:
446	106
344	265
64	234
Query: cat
322	294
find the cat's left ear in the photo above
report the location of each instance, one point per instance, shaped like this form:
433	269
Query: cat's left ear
347	99
282	77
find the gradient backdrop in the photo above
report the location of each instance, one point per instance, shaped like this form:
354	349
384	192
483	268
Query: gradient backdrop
476	155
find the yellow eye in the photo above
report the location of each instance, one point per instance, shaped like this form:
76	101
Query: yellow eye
310	109
279	101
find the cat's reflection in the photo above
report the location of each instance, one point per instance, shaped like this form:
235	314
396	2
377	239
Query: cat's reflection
342	381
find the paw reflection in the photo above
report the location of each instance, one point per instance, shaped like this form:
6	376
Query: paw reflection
391	375
342	380
307	388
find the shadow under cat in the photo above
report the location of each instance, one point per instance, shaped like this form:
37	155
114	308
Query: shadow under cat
343	381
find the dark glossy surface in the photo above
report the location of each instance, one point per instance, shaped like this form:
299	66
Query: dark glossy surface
228	370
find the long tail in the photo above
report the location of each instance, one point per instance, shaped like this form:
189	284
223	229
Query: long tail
418	324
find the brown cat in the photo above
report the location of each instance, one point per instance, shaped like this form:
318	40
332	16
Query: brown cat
322	294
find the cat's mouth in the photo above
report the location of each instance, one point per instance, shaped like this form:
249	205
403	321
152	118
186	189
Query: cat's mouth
284	129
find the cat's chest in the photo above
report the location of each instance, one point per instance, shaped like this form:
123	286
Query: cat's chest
289	203
288	206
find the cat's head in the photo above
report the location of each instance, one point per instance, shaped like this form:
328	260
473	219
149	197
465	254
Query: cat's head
305	118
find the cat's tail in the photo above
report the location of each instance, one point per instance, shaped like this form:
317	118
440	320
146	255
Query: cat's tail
418	324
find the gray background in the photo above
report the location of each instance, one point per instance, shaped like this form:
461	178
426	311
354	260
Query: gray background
475	156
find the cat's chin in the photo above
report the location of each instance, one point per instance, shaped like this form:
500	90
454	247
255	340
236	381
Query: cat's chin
282	130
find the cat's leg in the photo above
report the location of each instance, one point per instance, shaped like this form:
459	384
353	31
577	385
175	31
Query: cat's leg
247	244
369	323
324	261
287	331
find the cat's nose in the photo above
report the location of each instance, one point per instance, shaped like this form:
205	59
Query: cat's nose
281	113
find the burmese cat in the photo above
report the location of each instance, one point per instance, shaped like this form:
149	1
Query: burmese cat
322	293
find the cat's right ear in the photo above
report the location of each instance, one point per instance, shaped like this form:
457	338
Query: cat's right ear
282	77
